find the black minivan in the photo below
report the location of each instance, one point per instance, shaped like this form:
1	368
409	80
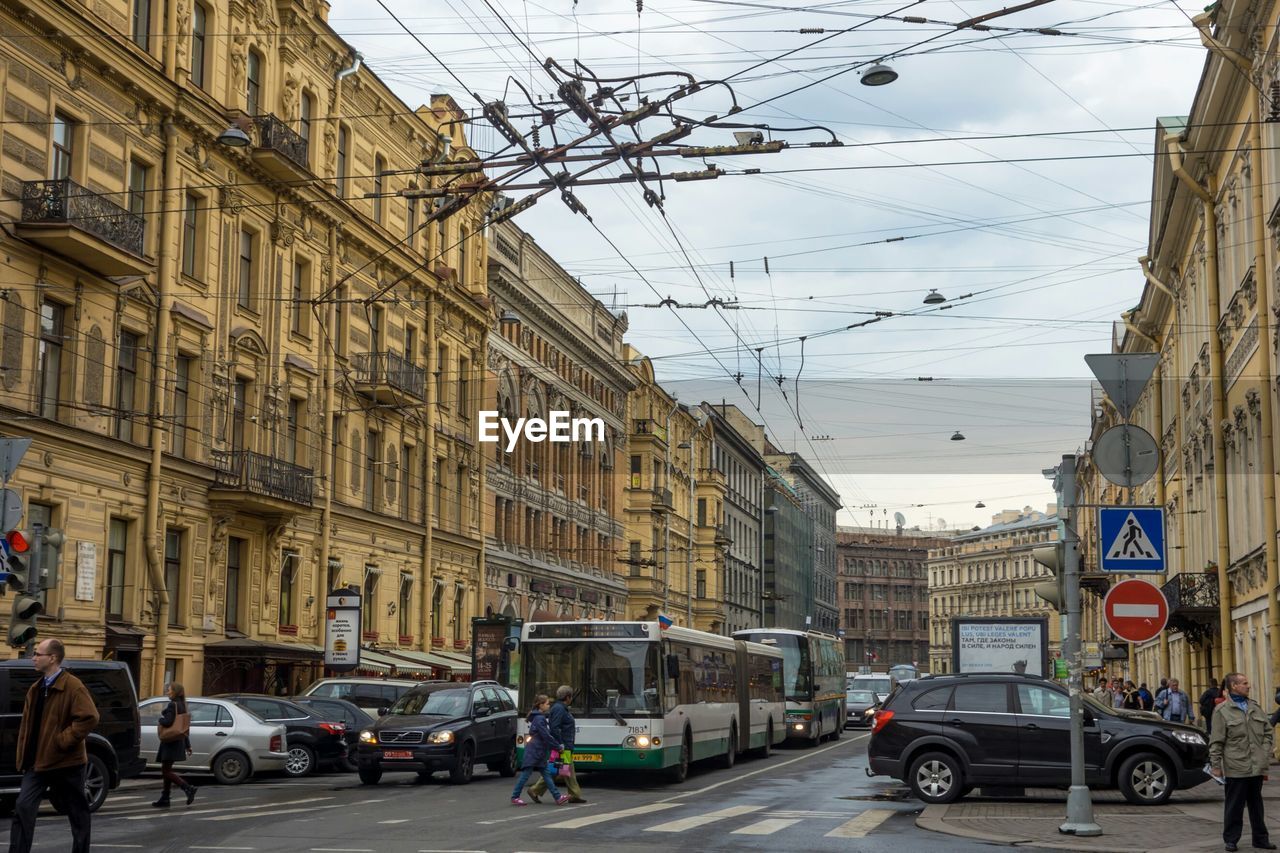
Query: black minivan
946	734
113	746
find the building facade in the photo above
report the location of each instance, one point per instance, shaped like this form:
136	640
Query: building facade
884	595
990	572
554	517
788	556
743	468
222	353
822	503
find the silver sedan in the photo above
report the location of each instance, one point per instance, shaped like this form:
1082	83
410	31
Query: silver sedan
227	740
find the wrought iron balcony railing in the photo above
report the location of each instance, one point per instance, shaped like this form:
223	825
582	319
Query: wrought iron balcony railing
275	135
391	368
1191	591
63	201
244	470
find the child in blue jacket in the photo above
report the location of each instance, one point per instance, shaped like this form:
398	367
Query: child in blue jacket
537	753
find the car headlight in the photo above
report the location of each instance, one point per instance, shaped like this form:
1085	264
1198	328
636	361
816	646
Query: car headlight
367	736
445	736
1189	737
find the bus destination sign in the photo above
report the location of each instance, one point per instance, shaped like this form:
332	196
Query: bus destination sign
591	631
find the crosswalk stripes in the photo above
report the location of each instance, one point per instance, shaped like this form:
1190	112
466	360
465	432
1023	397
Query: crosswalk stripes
768	826
274	812
592	820
241	811
703	819
861	825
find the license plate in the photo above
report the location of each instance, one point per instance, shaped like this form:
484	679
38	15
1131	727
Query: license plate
587	757
397	753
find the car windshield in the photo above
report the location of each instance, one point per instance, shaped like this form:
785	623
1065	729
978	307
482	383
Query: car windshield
860	696
435	703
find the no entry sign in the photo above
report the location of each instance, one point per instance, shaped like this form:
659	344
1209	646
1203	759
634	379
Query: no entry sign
1136	610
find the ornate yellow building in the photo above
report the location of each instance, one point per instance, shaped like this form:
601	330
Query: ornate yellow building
249	371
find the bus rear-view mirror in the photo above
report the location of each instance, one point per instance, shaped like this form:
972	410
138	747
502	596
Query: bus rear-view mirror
673	667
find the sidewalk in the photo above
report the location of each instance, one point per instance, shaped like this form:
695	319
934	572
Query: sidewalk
1191	821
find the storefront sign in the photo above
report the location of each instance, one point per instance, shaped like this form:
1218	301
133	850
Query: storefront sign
566	591
342	631
540	587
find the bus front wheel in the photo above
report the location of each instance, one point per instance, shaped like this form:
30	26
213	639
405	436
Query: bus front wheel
679	771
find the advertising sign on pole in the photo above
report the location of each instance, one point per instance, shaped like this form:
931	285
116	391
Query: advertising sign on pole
342	631
1000	644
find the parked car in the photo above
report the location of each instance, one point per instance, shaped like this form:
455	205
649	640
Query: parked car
880	683
946	734
312	739
355	718
856	705
227	740
371	694
443	726
113	746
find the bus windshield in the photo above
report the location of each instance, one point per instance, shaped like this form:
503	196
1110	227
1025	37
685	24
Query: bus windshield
606	677
797	669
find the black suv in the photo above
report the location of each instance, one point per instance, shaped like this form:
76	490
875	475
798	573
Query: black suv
946	734
113	746
312	738
442	726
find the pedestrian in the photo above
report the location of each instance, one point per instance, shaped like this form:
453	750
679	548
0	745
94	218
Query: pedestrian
1131	702
1175	706
56	718
537	753
1144	695
1275	715
173	729
1208	701
563	728
1117	693
1239	754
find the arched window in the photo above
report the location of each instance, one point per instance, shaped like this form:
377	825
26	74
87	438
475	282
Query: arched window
253	84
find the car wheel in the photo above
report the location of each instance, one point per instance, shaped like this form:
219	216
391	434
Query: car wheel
301	760
461	772
231	767
936	778
507	767
370	775
97	784
1146	779
731	755
679	771
347	763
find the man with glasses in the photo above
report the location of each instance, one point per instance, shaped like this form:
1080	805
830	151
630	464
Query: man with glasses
1240	755
58	715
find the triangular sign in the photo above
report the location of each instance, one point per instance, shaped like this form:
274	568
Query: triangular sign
1123	376
1132	543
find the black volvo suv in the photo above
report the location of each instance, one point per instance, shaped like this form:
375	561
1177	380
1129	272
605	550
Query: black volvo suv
946	734
442	726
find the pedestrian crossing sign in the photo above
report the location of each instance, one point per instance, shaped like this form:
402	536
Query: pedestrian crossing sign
1131	539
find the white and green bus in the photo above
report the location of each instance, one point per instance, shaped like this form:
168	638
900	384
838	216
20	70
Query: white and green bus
814	680
648	698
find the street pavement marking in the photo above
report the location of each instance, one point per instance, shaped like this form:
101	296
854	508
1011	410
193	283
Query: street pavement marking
769	769
703	819
118	845
342	850
765	827
798	813
275	811
396	820
189	812
861	825
591	820
201	847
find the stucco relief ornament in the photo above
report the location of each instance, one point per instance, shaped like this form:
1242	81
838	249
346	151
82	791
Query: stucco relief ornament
289	98
239	53
184	26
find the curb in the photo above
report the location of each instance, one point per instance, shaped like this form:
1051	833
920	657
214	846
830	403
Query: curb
932	819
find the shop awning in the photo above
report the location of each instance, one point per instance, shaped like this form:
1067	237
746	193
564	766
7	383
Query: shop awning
383	661
428	660
244	647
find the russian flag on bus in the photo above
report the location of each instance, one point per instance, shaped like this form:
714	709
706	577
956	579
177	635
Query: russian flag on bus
664	622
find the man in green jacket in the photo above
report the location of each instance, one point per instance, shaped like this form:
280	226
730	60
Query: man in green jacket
1240	755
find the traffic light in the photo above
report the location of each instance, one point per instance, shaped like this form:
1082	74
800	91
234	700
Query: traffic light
26	604
51	540
1052	557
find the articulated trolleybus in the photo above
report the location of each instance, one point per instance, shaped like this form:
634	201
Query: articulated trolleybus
648	698
813	677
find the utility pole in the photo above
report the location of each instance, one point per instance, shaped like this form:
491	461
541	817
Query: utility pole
1080	820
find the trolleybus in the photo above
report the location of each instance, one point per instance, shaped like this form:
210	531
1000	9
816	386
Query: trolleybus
814	680
648	698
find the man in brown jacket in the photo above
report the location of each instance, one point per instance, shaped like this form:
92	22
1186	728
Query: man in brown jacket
58	715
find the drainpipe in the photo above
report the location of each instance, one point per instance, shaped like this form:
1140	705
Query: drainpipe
428	492
161	359
1217	388
328	464
171	43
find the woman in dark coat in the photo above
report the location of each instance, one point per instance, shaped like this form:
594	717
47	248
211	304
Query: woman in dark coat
537	753
174	750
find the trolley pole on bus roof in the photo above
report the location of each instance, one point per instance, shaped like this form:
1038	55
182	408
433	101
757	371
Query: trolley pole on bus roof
1080	820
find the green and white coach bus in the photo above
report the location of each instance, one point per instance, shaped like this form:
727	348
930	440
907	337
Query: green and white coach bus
813	677
649	698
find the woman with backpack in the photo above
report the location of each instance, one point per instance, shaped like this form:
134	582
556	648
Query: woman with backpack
537	753
173	727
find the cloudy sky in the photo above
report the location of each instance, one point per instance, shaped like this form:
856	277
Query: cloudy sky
1009	170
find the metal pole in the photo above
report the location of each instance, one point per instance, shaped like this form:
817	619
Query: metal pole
1080	821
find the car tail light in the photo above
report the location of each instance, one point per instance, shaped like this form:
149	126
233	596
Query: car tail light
277	743
338	729
882	719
